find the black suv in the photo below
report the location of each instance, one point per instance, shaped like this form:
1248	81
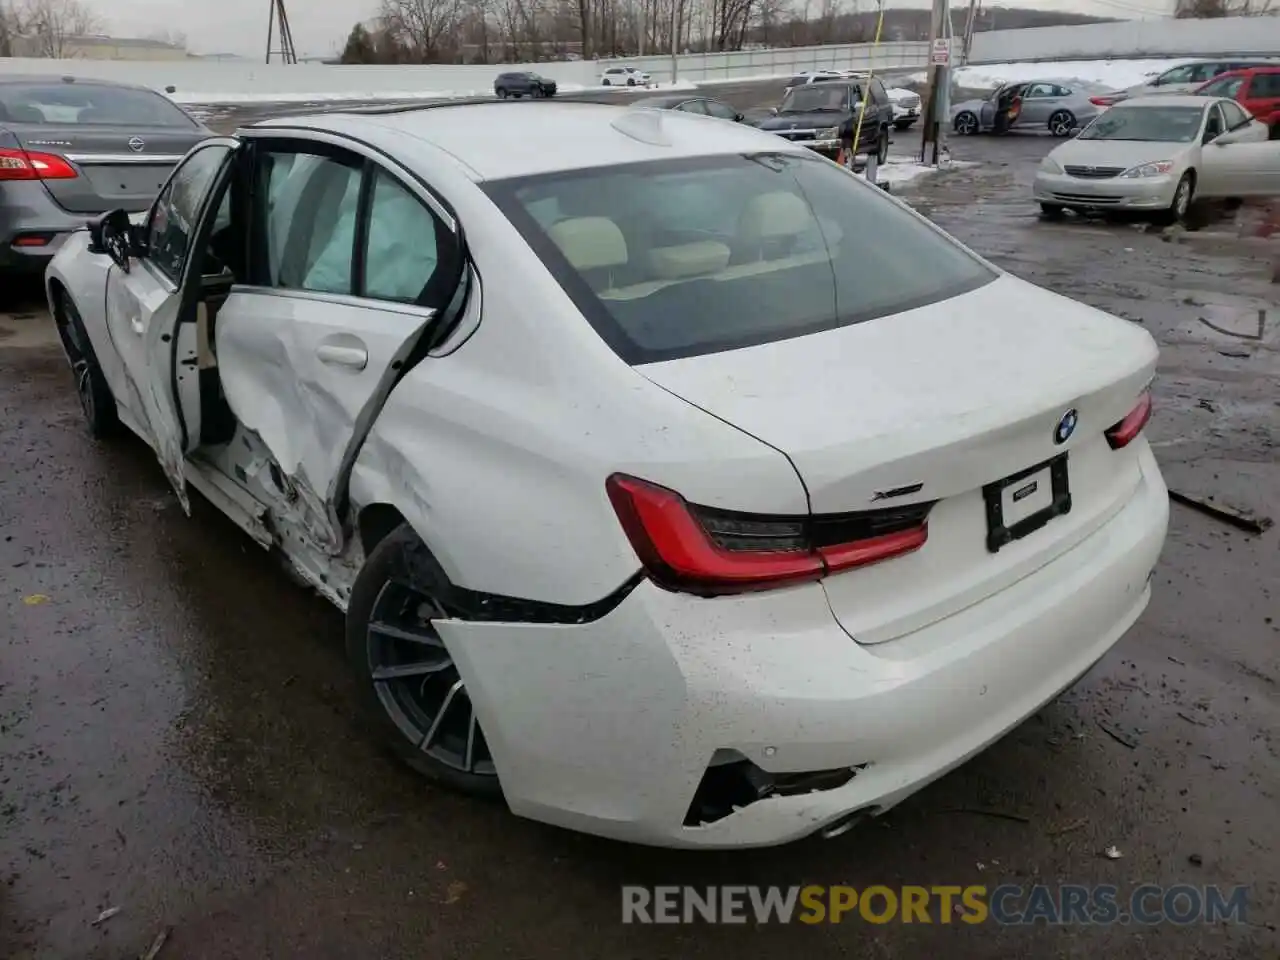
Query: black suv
823	116
523	83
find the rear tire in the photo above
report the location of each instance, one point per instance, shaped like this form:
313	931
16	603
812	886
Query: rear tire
965	124
1052	211
426	717
96	401
1061	123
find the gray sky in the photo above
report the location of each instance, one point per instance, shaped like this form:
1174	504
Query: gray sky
320	26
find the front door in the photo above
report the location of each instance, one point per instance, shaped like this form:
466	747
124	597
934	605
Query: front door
352	267
1241	169
145	298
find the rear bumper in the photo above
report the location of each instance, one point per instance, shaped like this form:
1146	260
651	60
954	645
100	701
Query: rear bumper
1114	193
28	212
608	727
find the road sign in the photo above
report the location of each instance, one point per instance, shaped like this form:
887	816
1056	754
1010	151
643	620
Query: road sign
941	52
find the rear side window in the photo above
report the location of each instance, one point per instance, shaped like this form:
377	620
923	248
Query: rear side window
87	103
678	258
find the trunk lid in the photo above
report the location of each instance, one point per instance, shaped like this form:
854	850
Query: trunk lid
118	167
951	397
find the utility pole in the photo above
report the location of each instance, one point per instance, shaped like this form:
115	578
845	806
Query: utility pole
675	40
969	23
939	83
288	53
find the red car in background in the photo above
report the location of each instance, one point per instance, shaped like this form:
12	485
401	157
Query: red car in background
1257	89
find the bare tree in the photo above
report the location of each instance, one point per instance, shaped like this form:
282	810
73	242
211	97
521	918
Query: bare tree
54	25
427	28
1211	9
11	27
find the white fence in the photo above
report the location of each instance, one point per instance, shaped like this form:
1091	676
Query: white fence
221	80
1135	39
784	60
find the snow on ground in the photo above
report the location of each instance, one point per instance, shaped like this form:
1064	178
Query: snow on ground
1116	74
899	171
366	96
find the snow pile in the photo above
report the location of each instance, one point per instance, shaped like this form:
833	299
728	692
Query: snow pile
1116	74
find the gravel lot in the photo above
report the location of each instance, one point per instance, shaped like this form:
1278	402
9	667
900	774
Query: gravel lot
178	738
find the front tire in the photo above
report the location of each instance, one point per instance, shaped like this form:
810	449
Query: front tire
502	94
96	401
1062	123
411	685
965	124
1183	194
882	146
1052	211
901	125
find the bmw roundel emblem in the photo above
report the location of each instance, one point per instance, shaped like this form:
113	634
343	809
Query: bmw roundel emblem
1066	426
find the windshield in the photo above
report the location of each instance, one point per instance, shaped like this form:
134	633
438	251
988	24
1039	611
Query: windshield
678	258
1154	124
816	98
81	103
1225	87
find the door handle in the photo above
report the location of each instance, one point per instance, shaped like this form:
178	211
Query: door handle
135	324
356	358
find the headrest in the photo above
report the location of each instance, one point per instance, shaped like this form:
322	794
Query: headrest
779	214
589	243
688	260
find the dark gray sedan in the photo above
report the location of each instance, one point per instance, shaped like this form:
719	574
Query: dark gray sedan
704	106
72	148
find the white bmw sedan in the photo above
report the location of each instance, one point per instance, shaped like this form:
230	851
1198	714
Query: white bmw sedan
676	485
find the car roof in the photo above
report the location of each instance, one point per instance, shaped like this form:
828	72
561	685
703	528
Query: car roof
52	79
1168	100
1241	71
553	135
669	101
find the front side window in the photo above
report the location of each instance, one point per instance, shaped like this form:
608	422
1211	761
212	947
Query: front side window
1154	124
1183	74
1235	115
1265	86
722	110
678	258
176	211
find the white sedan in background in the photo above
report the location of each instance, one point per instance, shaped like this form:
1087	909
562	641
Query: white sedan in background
1158	154
532	420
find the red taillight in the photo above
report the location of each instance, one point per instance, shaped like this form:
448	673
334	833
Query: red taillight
1123	433
1101	101
22	165
699	550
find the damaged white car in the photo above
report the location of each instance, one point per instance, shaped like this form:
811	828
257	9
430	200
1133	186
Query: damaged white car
677	485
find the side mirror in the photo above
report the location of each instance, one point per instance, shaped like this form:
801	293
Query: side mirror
738	117
1075	131
114	234
773	111
1208	137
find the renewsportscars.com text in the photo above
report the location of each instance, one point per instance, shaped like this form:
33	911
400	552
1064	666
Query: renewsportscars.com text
1006	904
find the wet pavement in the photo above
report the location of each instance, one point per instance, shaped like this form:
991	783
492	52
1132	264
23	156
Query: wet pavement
178	736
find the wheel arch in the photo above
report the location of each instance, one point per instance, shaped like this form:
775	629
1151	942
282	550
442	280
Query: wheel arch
375	522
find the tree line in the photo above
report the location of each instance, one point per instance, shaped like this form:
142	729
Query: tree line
510	31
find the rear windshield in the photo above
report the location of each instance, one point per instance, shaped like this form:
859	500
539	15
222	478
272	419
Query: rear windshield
82	103
678	258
